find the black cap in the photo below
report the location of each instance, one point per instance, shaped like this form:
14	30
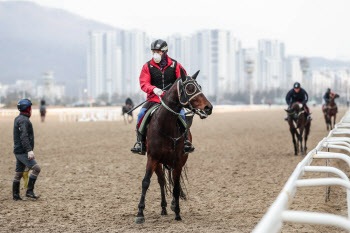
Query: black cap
296	85
159	45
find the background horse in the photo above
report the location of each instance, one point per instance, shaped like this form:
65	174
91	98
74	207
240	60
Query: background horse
331	111
165	140
297	120
128	118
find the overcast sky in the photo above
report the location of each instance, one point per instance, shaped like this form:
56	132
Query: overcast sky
308	27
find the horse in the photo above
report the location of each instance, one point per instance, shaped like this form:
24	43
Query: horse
330	111
165	141
297	120
128	117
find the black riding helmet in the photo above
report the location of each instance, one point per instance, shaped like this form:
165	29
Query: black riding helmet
159	45
296	85
328	89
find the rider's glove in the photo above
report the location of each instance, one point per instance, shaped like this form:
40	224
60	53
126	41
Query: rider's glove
157	91
31	155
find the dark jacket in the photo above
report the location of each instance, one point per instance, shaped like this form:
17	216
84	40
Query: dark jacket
326	97
301	96
23	134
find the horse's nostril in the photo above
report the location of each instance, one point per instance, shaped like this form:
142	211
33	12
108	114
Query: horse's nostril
208	109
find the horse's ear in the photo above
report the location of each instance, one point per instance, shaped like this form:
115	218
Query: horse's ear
183	75
195	75
286	110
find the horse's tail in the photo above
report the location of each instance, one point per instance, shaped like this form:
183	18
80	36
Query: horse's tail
169	182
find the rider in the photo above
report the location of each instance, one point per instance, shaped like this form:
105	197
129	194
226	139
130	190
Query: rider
129	103
156	74
298	94
327	97
23	136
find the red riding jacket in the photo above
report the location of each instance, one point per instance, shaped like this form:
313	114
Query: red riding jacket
145	78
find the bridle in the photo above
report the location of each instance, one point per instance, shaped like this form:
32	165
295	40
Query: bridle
186	96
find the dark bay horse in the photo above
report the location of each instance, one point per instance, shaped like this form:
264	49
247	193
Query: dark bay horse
297	120
331	111
165	141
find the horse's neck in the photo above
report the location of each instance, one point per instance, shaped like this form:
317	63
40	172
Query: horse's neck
166	117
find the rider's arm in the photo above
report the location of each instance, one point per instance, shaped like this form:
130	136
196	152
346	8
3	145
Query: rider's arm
145	80
178	70
306	98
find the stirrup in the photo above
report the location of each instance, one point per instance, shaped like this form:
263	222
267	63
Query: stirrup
188	148
140	149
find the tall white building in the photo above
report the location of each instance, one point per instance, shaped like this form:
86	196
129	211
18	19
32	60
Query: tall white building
293	72
271	68
104	63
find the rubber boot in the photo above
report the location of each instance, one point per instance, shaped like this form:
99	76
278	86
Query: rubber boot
188	147
30	189
15	191
140	146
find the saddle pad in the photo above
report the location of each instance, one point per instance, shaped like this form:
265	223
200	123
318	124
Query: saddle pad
146	119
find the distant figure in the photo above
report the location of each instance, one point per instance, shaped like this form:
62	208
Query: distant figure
328	96
298	94
42	110
129	103
128	106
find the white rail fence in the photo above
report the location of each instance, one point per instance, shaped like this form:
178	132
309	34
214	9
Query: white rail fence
75	114
278	212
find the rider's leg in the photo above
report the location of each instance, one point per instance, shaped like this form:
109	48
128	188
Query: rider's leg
308	113
140	147
188	148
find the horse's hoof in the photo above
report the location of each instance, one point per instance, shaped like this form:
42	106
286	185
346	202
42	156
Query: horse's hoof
139	220
178	218
164	212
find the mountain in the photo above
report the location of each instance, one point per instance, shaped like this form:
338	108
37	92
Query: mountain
34	39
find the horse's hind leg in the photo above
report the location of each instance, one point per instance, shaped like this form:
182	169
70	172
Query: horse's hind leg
176	192
151	166
161	181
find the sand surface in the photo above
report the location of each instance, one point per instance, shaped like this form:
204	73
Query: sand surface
90	182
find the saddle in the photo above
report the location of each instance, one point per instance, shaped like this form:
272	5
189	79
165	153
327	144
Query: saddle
144	122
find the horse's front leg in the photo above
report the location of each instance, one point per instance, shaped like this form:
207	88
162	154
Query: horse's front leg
151	165
334	120
176	192
161	181
292	131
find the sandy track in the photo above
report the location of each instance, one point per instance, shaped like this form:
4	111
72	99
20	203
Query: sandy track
90	181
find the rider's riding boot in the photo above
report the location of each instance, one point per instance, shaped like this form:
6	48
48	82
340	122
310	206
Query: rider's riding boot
15	191
188	147
140	146
30	188
286	118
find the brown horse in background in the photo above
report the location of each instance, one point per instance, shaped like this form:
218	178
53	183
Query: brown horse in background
330	111
165	140
297	120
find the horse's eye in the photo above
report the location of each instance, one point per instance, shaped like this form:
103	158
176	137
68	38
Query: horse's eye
190	89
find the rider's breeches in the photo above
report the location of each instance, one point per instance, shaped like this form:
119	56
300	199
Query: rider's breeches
143	111
22	162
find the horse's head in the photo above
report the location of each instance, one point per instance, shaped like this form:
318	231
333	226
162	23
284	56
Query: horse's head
294	110
191	96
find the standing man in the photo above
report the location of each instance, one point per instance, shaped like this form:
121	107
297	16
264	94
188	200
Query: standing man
23	136
298	94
